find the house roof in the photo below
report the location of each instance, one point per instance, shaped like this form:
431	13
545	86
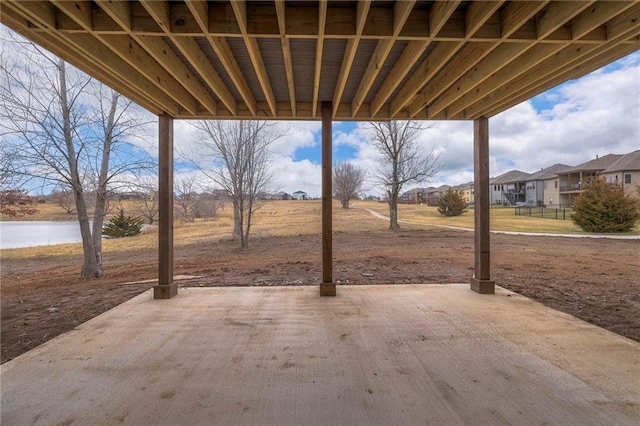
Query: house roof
627	162
549	172
510	177
596	165
373	60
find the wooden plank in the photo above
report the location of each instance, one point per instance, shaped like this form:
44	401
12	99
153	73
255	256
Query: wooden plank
477	14
401	12
200	10
62	48
322	20
362	10
558	13
240	11
132	53
286	53
192	52
425	72
470	55
516	13
499	58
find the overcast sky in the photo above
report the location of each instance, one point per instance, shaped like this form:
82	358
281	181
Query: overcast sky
597	114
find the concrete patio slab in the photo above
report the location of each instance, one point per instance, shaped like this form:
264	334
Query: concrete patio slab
405	354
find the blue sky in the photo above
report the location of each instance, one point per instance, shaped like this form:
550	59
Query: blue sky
594	115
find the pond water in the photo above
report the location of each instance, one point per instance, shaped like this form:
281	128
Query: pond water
30	234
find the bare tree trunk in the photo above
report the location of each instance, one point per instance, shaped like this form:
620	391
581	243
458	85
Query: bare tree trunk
91	268
393	210
237	222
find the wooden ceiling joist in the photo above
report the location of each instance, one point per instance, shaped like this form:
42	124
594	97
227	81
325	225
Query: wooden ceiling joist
373	60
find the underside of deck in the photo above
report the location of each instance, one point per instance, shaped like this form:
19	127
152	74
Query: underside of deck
405	354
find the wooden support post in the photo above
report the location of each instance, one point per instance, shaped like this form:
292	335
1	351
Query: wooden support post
481	281
327	287
166	288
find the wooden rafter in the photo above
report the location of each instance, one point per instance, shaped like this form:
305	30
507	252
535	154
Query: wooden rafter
400	14
286	53
362	9
322	21
132	53
240	11
200	11
208	59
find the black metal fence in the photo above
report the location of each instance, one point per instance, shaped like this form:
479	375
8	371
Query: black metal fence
543	212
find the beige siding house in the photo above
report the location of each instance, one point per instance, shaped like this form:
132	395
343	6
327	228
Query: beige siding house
625	172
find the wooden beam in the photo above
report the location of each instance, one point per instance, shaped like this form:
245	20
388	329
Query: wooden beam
469	55
240	11
362	9
99	56
132	53
516	13
558	13
166	288
200	11
477	14
327	287
438	16
481	281
501	57
286	53
160	11
401	12
322	20
597	14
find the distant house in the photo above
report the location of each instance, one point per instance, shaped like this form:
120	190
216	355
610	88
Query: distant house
509	189
573	180
428	195
625	172
466	190
281	196
300	195
542	186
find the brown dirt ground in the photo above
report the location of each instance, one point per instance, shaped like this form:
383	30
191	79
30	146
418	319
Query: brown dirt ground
597	280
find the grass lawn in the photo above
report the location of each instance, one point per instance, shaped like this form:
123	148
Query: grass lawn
282	218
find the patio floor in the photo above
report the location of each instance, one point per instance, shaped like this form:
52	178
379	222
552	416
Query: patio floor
403	354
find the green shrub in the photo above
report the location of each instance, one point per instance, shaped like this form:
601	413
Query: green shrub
123	226
452	204
605	208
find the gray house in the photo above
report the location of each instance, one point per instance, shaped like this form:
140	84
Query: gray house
536	184
509	188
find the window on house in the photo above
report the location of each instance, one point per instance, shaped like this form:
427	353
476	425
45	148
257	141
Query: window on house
555	184
627	178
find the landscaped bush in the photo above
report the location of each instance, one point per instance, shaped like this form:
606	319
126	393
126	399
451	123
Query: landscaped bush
605	208
452	204
123	226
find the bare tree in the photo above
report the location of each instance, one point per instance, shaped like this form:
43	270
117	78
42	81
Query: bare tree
184	187
235	156
70	131
147	204
402	161
63	197
348	180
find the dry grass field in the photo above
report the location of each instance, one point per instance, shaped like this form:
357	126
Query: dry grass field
596	280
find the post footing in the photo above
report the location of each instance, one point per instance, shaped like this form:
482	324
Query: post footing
165	291
327	289
483	286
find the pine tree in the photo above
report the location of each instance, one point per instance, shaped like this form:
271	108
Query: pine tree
605	208
123	226
451	204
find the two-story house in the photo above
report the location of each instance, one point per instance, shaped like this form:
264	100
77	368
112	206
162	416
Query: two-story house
625	172
573	180
542	186
509	189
